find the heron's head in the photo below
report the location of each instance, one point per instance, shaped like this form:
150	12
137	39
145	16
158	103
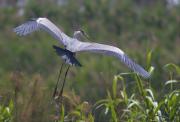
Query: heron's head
79	34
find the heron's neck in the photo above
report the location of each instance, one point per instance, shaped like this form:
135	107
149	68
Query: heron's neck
72	45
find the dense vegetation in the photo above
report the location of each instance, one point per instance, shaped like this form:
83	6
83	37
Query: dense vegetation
148	33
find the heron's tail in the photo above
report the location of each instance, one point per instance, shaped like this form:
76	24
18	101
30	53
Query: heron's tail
67	56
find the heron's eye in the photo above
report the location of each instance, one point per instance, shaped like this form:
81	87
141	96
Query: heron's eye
82	31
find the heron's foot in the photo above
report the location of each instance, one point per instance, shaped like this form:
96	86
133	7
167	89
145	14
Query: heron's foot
60	93
57	96
58	102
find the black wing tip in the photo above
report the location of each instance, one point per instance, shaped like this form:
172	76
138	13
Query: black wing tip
58	50
33	19
78	64
55	47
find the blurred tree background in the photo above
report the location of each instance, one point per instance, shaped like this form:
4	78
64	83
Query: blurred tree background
135	26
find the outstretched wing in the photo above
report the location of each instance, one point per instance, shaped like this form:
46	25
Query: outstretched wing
44	24
114	51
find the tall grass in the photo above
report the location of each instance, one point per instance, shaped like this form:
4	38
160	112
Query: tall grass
141	104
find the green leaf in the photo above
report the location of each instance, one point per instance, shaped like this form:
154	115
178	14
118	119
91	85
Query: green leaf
171	82
90	118
62	114
151	70
149	58
76	113
158	107
113	112
114	87
99	106
134	103
150	93
171	67
150	100
106	110
140	86
109	95
127	73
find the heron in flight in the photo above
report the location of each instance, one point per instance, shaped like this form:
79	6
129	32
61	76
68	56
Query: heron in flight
73	44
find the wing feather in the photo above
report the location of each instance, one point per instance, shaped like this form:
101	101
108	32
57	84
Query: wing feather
44	24
114	51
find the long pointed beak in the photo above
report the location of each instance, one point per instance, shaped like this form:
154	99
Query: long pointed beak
85	34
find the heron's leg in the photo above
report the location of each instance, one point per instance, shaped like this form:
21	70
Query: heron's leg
55	89
60	94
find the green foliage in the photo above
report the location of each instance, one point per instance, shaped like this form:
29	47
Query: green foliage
81	113
6	112
171	106
141	106
119	104
62	114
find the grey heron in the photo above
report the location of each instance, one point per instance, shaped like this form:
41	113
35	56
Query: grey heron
74	45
